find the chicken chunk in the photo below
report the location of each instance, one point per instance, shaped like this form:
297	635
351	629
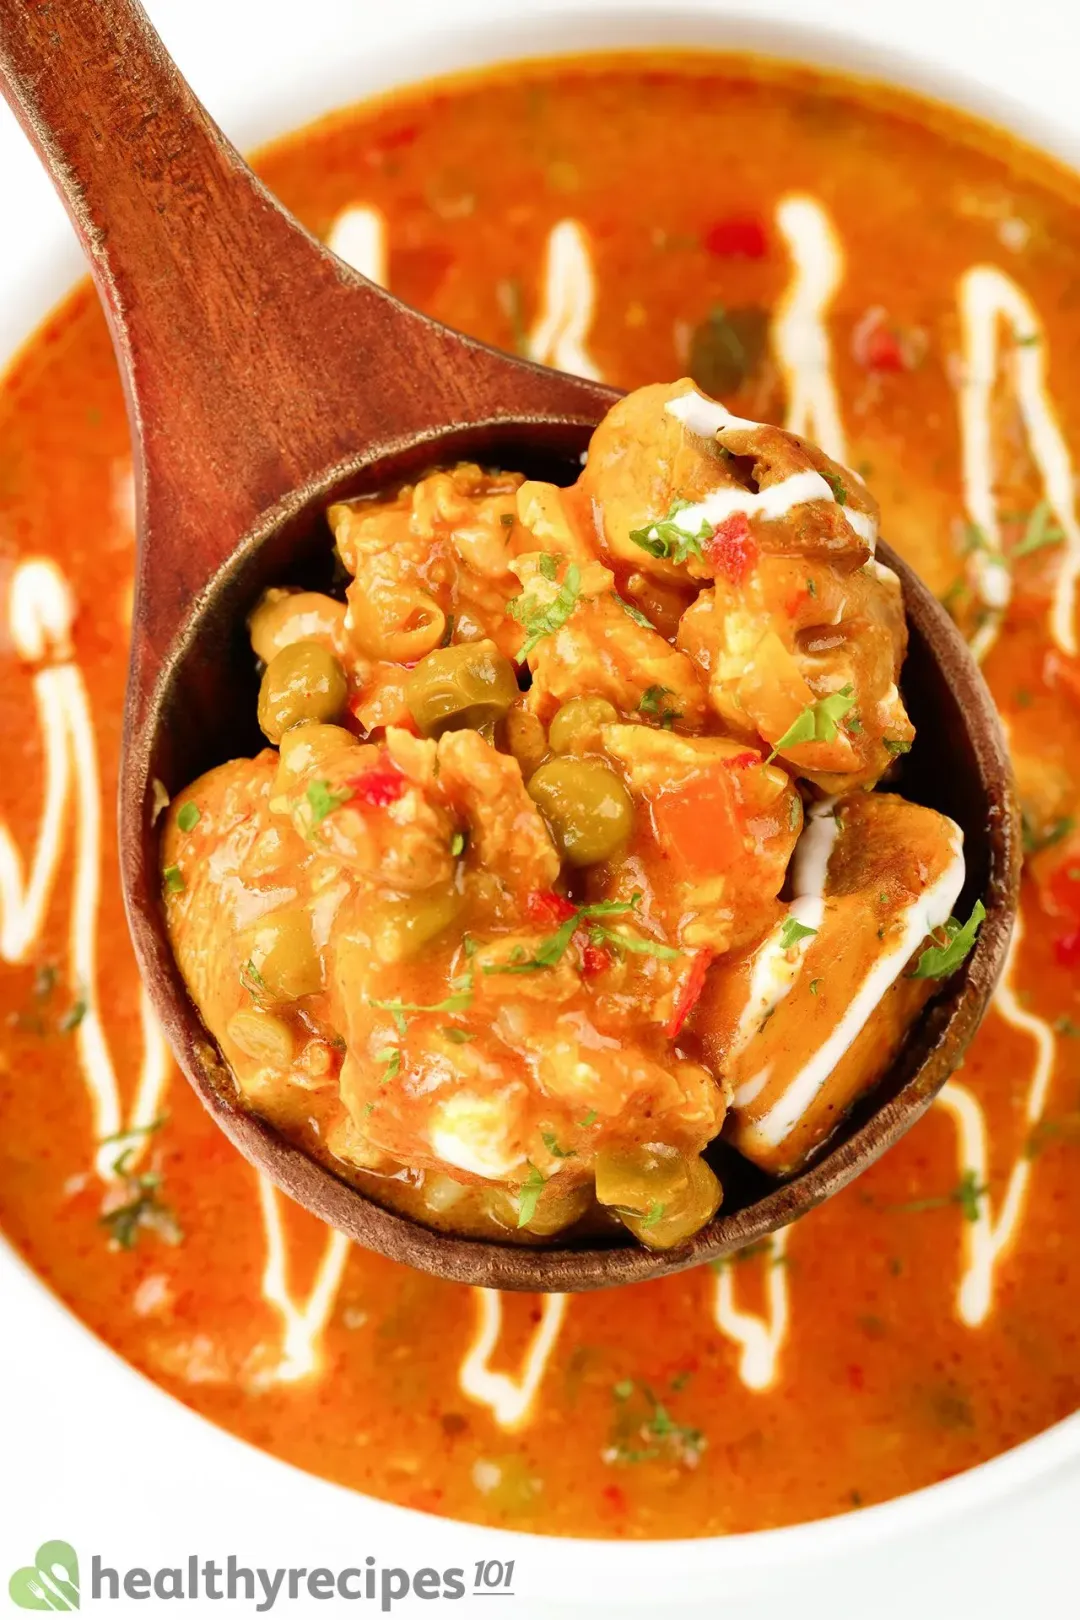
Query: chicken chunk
805	1022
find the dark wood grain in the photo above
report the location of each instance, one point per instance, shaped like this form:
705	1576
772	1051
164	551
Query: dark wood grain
264	377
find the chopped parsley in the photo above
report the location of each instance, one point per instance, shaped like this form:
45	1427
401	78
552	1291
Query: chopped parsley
838	487
938	961
390	1057
644	1431
549	565
457	844
633	612
251	979
590	1119
323	800
655	1214
551	1143
187	816
792	931
653	701
529	1194
459	1036
815	986
174	880
666	538
142	1210
551	950
539	618
819	722
1041	531
74	1016
450	1004
896	745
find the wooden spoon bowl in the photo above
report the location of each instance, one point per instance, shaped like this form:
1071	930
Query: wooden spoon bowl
264	378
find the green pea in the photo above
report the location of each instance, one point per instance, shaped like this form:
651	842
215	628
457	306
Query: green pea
577	724
284	955
465	687
302	682
586	807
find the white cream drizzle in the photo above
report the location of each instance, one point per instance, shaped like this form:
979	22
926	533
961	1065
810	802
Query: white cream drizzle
987	299
358	236
989	1235
928	912
760	1337
707	417
41	612
775	967
303	1321
799	331
510	1400
568	303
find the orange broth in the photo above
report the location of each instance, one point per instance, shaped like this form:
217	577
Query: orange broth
901	1361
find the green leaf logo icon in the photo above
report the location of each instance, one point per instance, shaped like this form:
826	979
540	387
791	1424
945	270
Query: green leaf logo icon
51	1582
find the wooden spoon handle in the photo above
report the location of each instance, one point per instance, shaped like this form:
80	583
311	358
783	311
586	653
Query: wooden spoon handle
253	359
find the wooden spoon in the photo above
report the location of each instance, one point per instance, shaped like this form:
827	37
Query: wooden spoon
265	378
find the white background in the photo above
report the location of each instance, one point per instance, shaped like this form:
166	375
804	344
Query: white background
90	1452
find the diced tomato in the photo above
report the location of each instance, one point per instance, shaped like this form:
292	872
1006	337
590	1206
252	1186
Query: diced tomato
699	822
880	346
739	236
690	993
1067	949
1060	891
733	551
595	959
742	762
547	908
382	785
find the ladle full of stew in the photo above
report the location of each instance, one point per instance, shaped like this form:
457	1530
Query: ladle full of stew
552	869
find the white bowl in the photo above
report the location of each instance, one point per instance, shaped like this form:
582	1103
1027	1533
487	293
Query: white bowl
93	1452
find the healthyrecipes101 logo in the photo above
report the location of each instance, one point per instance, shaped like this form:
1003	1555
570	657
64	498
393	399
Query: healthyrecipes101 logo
51	1582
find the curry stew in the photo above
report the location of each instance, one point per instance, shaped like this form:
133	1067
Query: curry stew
516	865
899	286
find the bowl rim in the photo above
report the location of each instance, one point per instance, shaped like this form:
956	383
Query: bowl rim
358	73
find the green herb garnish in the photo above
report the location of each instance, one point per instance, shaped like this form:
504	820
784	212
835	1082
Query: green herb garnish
74	1016
819	722
792	931
653	702
896	745
1041	531
838	487
187	816
633	612
174	880
451	1004
323	800
251	979
455	1033
666	538
539	618
390	1056
529	1194
938	961
457	844
551	1143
